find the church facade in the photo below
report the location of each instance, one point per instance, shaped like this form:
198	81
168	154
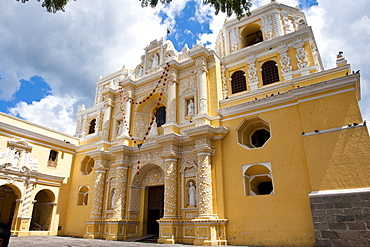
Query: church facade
253	143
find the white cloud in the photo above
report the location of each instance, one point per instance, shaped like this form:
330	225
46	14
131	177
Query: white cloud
340	25
9	85
52	111
71	50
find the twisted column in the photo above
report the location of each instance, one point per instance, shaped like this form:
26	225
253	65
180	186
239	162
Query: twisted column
170	189
120	203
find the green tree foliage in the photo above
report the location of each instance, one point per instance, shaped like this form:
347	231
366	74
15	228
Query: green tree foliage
51	6
238	7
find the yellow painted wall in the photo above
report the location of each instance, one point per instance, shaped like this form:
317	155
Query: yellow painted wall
284	217
75	222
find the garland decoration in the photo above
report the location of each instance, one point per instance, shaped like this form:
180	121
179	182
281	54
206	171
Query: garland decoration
125	98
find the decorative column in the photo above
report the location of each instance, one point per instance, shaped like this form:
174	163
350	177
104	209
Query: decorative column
252	73
202	89
286	67
205	198
98	194
208	228
124	137
94	227
126	116
170	126
25	219
170	189
172	86
106	119
120	203
277	24
27	199
84	126
302	62
169	225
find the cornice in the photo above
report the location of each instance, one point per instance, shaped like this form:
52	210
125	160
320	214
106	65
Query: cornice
92	109
38	177
99	154
207	131
37	125
86	147
37	138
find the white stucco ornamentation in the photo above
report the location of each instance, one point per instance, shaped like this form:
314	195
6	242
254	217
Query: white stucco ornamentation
267	27
225	91
233	39
134	199
285	63
205	184
253	79
120	200
287	23
141	124
301	56
27	198
98	193
170	188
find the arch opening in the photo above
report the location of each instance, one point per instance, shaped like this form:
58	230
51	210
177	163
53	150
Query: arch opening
42	211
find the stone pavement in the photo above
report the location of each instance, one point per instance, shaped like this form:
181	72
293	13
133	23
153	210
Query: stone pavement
58	241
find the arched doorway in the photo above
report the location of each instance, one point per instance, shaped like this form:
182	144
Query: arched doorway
155	208
7	204
149	181
42	211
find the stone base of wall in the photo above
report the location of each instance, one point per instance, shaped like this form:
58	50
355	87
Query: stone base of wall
341	217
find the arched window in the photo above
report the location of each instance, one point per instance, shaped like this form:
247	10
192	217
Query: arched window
161	116
83	195
251	35
92	126
238	82
270	73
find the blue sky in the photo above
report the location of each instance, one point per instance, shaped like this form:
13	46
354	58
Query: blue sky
49	63
30	90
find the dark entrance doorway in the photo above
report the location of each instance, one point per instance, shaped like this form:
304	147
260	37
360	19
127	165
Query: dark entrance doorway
7	204
155	208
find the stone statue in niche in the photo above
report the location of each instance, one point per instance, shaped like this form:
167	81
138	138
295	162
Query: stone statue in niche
119	127
191	107
192	195
155	60
153	129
